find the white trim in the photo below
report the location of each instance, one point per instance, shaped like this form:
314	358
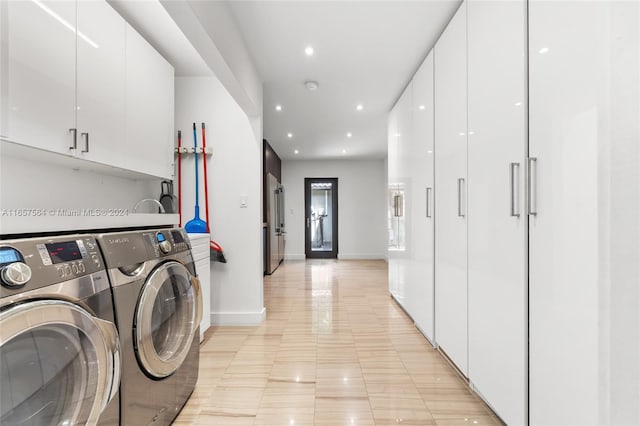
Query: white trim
238	318
375	256
295	256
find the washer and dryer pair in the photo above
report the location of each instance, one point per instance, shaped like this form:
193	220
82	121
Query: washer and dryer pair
61	354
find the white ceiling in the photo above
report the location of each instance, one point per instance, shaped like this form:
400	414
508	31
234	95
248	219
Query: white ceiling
365	52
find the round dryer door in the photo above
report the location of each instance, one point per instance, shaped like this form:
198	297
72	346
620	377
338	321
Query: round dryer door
59	364
167	318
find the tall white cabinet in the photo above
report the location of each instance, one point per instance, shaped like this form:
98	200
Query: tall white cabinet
537	207
497	223
411	215
584	246
451	190
422	214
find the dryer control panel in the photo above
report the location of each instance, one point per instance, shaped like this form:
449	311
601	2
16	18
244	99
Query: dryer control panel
31	263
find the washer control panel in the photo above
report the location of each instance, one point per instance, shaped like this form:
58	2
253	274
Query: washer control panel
36	262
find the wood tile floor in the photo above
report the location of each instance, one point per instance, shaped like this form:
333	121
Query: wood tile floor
335	349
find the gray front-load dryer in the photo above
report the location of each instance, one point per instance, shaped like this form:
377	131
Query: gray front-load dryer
59	347
158	309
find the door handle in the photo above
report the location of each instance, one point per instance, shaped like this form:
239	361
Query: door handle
428	202
308	223
514	179
532	177
86	141
461	210
74	138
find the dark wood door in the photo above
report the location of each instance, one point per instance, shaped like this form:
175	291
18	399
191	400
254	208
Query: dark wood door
321	218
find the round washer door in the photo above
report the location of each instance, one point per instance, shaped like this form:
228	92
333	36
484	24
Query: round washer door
167	317
60	365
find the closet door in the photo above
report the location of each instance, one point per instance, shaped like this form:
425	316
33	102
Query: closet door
422	212
451	184
584	235
497	223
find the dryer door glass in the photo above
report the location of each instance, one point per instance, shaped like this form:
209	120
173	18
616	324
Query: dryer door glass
54	367
167	318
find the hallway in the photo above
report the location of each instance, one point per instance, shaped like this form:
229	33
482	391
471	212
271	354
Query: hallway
335	349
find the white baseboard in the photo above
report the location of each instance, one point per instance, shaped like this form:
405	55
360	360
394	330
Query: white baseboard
238	318
295	256
361	256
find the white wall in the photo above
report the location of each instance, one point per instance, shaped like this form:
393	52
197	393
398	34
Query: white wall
210	28
38	181
234	171
361	206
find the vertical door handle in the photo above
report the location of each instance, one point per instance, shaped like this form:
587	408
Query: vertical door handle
461	209
74	138
428	202
395	206
86	141
308	222
514	179
532	177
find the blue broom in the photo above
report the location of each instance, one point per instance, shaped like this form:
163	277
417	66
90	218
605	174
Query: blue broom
196	225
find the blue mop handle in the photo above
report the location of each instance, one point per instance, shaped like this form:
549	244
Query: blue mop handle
195	151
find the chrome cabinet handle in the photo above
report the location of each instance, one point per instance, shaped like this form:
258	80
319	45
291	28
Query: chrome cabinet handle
514	179
398	205
86	141
532	177
429	202
461	210
74	138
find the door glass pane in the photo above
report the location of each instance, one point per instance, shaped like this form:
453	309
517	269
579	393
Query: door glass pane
47	377
172	317
321	220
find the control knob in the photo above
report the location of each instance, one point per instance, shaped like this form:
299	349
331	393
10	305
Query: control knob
165	246
15	274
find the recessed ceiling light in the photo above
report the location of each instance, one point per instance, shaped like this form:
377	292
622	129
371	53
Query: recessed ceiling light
289	135
309	50
543	50
296	152
359	107
349	135
311	85
421	107
518	103
344	151
278	107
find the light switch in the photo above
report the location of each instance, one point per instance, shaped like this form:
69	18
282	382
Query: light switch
244	201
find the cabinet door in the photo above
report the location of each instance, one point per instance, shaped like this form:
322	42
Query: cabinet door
398	248
451	181
422	213
101	83
39	75
149	108
497	223
585	236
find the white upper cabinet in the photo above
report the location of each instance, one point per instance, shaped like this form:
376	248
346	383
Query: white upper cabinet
451	189
584	230
149	108
99	93
38	73
497	222
421	161
100	83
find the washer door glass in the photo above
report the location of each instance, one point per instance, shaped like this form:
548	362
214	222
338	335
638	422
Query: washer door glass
167	317
55	365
